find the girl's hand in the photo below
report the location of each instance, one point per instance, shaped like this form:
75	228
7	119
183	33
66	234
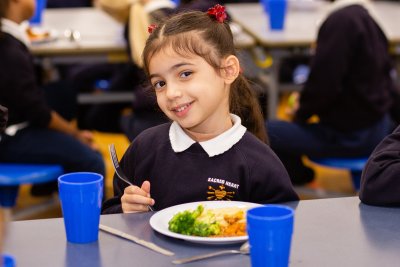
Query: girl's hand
137	199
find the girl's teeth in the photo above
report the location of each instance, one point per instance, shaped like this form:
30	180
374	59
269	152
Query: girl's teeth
182	108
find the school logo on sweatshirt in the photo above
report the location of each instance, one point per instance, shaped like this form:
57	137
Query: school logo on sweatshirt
224	191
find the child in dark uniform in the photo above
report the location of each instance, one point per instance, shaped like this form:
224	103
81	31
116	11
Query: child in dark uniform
35	133
205	153
380	181
349	89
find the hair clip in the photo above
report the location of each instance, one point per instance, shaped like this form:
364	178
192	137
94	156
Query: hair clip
151	28
219	12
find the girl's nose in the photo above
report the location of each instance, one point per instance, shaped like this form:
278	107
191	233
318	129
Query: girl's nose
173	91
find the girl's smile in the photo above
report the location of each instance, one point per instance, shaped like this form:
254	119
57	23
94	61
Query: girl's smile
182	110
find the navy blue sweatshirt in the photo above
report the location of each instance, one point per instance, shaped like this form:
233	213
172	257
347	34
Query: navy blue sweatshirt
19	91
248	171
380	181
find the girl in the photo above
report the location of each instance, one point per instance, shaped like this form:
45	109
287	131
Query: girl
35	132
205	153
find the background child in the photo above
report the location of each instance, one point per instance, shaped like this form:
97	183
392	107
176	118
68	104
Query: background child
349	88
35	132
205	153
380	184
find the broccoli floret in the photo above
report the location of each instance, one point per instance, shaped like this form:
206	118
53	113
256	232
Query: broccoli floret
194	223
183	221
205	229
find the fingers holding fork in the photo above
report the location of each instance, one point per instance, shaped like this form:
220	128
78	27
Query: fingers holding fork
131	193
137	198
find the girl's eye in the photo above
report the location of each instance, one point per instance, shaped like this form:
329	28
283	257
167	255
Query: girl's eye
185	74
159	84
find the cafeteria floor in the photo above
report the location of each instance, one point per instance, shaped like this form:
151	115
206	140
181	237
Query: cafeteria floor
328	182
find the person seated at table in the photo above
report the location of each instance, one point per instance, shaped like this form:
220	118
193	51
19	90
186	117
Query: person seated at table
205	153
349	89
35	133
380	184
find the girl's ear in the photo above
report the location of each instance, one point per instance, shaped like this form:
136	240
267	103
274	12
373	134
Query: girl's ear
230	69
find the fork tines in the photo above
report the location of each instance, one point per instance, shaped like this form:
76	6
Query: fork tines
114	157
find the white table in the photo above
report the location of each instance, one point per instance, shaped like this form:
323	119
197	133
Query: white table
301	28
101	37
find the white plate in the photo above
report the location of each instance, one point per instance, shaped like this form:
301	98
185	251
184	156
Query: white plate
159	221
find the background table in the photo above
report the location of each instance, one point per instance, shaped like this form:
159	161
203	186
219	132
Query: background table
328	232
101	37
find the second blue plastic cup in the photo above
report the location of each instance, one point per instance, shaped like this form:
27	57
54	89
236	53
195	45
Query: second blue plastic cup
37	17
81	195
270	229
276	13
7	260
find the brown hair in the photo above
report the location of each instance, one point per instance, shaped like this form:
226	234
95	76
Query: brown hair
3	9
199	34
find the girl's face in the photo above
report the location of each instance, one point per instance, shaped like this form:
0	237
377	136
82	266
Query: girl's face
190	91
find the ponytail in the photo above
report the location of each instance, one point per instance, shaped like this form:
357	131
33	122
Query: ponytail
3	9
244	103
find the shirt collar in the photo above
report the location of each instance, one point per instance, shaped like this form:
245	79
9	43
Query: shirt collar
180	141
154	5
16	30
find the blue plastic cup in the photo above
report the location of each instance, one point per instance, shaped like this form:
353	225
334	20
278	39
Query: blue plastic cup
7	260
81	195
276	13
37	17
270	229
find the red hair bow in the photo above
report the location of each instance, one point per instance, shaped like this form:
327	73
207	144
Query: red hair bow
151	28
219	12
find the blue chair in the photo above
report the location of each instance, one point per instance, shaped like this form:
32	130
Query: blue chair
13	175
354	165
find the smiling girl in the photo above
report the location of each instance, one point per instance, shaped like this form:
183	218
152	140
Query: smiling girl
215	147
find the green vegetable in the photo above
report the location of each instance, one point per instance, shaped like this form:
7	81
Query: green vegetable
194	222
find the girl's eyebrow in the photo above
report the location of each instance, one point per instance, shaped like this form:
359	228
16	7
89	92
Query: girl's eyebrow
171	69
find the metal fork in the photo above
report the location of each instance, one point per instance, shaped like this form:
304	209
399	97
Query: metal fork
244	249
121	175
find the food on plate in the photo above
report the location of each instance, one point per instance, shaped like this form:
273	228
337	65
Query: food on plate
217	222
37	33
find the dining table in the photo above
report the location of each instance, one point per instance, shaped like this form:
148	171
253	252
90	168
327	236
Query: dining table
89	34
302	21
327	232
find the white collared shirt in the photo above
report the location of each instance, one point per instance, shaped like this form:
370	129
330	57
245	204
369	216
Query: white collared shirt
180	141
16	30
